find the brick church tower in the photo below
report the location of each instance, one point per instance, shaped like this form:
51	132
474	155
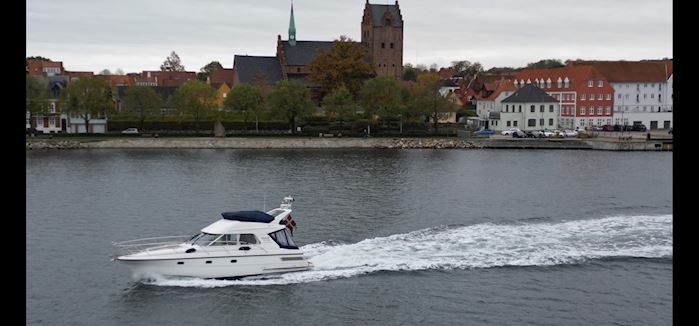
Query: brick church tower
382	33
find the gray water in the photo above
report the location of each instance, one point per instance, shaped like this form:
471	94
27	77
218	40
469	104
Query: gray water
398	237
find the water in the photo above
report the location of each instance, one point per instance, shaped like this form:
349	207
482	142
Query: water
397	237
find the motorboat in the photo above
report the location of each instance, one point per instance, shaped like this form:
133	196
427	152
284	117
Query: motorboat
240	244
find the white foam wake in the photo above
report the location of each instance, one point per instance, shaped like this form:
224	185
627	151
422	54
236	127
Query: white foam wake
476	246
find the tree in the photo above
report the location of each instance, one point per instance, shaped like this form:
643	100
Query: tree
119	72
427	100
172	63
37	97
546	63
206	70
467	69
87	98
339	104
105	72
246	99
410	72
142	101
345	63
383	96
291	99
195	98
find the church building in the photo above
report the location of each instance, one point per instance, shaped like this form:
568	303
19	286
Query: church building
382	35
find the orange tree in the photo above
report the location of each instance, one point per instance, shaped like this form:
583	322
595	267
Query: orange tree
345	63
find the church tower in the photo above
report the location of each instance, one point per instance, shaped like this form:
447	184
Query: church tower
382	33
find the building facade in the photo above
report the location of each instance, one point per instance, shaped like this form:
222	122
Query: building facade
529	108
382	34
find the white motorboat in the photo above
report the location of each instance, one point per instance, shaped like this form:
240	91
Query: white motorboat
242	243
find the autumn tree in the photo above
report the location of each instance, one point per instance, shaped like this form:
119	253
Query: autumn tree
105	72
345	63
383	96
196	99
245	99
467	69
339	104
87	97
205	71
37	97
546	63
410	72
142	101
292	100
427	100
172	63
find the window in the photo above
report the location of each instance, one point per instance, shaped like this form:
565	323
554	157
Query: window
541	108
589	83
533	109
592	111
645	96
609	110
626	96
520	108
391	45
619	96
609	96
224	95
550	122
551	108
298	69
531	122
599	110
508	123
247	238
52	109
52	121
514	123
582	97
507	108
548	83
283	239
600	83
582	110
383	45
652	95
204	239
541	122
592	96
226	240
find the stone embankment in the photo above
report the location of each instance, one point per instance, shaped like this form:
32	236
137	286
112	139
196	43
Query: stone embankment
436	143
54	144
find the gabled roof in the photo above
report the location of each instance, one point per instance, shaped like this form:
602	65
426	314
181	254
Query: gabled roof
500	86
219	76
378	11
303	52
247	66
631	71
529	93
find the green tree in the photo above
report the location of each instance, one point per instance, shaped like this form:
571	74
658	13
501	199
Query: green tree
37	97
142	101
467	69
196	99
206	70
292	100
246	99
383	96
172	63
427	100
410	72
345	63
339	104
88	98
546	63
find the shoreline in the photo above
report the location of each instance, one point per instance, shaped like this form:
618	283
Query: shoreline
320	143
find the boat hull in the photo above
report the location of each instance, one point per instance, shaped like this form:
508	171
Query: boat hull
222	267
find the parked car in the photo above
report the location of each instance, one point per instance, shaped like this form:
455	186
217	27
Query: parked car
529	134
519	134
569	133
608	128
483	131
597	128
637	127
545	133
33	131
130	131
510	131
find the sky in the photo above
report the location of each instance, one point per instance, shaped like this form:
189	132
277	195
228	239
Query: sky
137	35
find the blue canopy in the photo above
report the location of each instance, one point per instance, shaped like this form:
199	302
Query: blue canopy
248	216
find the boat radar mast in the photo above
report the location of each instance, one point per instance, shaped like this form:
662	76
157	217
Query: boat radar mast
286	203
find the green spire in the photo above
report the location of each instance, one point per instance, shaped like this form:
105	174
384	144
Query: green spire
292	27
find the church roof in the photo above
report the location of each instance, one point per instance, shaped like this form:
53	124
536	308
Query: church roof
248	66
377	12
303	52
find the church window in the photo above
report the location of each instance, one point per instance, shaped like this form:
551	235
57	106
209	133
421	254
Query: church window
383	45
391	45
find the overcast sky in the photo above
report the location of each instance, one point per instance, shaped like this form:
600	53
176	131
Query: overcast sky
137	35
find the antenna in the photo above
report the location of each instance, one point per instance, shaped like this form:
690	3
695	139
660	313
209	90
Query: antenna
264	202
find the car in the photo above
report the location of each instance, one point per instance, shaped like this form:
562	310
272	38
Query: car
670	131
33	131
483	131
519	134
597	128
510	131
607	128
130	131
637	127
545	133
569	133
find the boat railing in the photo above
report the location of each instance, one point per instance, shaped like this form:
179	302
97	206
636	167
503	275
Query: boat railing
148	244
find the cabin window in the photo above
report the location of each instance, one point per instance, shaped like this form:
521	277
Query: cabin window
283	239
205	239
227	240
248	239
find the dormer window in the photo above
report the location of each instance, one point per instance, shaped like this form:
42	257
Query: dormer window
559	82
566	82
600	83
589	83
548	83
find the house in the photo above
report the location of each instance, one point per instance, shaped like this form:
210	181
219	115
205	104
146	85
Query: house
495	92
52	121
584	94
221	80
44	68
529	108
642	90
166	78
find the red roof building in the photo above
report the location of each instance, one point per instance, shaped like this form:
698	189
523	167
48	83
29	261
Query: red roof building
44	67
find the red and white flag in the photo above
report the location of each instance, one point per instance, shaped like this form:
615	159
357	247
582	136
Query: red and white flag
290	223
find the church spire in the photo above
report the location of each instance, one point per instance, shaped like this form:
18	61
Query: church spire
292	27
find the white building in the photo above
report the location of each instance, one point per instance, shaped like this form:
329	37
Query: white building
529	108
487	107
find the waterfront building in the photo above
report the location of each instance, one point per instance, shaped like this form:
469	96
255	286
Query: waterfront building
584	95
642	90
487	106
529	108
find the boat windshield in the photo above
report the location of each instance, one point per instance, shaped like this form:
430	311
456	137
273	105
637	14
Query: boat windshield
204	239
